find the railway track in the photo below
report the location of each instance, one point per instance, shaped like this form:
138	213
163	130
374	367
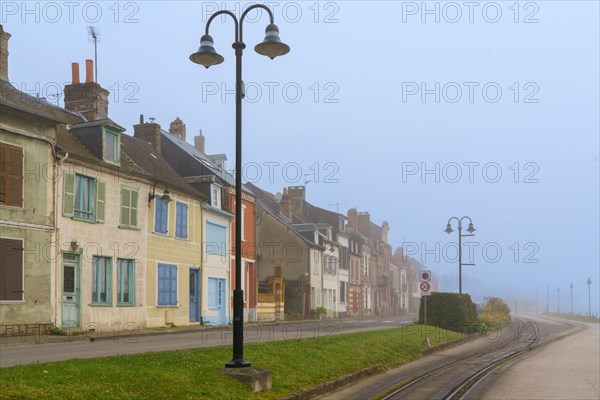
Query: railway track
454	380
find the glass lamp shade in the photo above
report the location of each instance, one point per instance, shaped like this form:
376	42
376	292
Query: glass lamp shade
206	54
272	46
471	229
448	229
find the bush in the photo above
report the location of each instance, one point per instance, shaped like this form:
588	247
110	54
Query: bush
452	311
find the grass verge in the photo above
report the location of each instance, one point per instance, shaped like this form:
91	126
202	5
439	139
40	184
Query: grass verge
575	317
193	374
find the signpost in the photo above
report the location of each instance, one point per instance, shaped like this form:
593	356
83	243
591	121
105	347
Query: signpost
425	290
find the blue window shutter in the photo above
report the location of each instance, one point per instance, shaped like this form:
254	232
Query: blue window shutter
216	238
165	217
173	285
184	221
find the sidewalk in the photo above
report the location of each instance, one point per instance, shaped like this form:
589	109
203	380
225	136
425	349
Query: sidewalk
130	331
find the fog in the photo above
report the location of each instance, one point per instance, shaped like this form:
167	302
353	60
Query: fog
487	110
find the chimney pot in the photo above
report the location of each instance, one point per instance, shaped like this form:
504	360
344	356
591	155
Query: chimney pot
89	71
75	73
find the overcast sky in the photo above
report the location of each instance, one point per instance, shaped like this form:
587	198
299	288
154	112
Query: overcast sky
413	113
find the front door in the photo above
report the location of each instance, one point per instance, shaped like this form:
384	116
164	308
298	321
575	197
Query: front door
70	291
194	295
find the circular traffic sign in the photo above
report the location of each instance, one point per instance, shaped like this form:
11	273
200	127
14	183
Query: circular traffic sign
425	286
425	276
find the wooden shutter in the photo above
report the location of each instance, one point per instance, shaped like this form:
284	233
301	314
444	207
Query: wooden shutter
100	200
125	207
68	194
11	175
11	269
133	219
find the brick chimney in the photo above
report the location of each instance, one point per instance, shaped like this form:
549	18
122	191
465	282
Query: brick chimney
285	205
4	36
177	128
88	98
297	197
352	218
364	223
199	142
148	132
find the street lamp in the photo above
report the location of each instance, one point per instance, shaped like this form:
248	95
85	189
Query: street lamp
571	287
589	283
206	56
558	300
449	230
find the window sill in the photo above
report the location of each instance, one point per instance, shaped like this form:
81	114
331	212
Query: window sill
182	239
13	302
15	208
89	221
101	305
125	305
129	228
167	306
165	235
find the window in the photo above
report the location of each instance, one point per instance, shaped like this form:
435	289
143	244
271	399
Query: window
216	239
111	146
342	292
161	216
11	270
11	175
330	265
129	208
101	280
126	282
83	197
181	220
215	196
167	285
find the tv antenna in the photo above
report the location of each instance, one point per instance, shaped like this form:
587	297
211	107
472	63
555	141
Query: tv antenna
337	206
94	36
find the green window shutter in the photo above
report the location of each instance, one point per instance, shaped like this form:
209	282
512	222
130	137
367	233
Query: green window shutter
125	204
134	210
101	194
68	194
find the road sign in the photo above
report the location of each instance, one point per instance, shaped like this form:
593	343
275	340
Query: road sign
425	288
425	275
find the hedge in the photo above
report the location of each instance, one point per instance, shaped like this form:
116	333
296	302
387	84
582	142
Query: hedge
452	311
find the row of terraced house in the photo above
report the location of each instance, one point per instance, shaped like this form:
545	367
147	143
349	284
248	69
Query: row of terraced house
101	228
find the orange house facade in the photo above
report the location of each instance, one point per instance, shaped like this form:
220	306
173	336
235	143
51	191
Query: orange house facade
249	250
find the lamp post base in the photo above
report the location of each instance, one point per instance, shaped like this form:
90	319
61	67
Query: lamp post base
238	363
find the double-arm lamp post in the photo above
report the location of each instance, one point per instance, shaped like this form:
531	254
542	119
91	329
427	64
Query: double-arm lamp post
207	56
449	230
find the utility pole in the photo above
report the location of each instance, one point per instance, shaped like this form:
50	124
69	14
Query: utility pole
558	300
548	300
589	283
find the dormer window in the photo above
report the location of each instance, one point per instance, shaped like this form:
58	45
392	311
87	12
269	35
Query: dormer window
215	195
111	145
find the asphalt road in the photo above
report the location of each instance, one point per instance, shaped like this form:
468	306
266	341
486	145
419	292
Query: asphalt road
53	348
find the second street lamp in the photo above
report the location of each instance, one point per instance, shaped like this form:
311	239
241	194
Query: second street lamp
449	230
206	56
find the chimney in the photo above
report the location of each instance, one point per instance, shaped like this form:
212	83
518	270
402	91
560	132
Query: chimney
199	142
4	36
148	132
285	205
297	197
364	223
88	98
177	128
352	218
